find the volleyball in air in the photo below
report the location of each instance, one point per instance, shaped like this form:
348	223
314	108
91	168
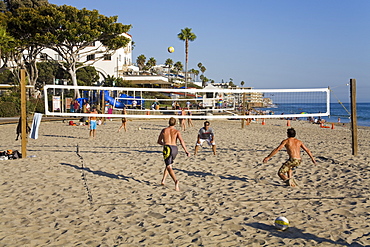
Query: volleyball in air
281	223
171	49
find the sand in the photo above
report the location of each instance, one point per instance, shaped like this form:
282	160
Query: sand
231	199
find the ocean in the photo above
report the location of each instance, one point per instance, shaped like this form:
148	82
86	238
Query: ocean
336	111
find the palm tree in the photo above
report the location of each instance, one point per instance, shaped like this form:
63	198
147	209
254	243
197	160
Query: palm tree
151	63
186	35
203	69
140	61
196	73
169	63
178	67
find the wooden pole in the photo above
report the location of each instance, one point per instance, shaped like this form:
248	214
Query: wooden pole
23	113
243	110
353	116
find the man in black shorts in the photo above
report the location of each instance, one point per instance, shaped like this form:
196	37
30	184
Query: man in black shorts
168	138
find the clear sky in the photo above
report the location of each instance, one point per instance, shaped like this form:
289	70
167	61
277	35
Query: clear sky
266	43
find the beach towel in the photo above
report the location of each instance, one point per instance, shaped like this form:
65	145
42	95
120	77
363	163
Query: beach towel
34	134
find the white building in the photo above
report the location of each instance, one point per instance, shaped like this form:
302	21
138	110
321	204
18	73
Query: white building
116	65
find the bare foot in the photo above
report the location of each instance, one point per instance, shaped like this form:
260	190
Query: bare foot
290	182
177	185
162	183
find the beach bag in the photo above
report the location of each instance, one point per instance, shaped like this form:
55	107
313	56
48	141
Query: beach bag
71	123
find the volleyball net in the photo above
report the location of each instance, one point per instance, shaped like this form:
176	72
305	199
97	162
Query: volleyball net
215	103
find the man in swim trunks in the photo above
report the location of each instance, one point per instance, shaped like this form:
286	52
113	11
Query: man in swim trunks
168	138
206	134
93	123
293	147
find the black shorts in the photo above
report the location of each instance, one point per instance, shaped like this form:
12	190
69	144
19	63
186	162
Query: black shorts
169	154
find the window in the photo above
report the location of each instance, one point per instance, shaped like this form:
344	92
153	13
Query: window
107	57
90	57
58	57
43	56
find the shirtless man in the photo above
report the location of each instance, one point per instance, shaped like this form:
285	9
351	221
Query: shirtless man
168	138
93	123
293	147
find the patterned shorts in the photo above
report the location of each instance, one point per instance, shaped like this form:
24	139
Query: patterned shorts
289	164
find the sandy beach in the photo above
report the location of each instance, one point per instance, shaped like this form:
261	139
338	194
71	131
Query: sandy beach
112	196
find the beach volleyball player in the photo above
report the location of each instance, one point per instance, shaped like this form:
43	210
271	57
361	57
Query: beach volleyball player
168	139
206	134
293	147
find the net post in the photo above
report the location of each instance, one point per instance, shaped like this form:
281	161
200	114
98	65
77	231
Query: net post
23	113
353	116
243	110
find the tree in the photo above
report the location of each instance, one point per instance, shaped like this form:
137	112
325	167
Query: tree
231	83
16	4
186	35
242	83
23	24
6	47
204	80
26	26
87	76
196	73
169	64
71	31
178	67
203	69
151	63
140	61
46	73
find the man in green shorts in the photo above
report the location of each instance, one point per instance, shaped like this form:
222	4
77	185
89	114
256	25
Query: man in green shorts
293	147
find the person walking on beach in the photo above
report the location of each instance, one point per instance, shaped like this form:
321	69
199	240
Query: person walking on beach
206	134
92	121
293	147
182	120
190	121
124	120
168	139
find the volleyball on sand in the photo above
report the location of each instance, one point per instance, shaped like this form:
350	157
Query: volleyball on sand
171	49
281	223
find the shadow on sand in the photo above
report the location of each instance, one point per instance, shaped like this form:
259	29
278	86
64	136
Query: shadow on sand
295	233
106	174
204	174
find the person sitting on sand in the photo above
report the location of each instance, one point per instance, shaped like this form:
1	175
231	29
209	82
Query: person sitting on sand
168	138
206	134
293	147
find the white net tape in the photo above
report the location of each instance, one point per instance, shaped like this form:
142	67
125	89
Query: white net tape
215	103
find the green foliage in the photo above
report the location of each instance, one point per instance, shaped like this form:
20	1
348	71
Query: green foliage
186	35
7	77
10	104
140	61
9	109
16	4
47	72
87	76
111	81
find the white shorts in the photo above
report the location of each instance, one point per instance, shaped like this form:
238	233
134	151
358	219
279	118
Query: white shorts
205	140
